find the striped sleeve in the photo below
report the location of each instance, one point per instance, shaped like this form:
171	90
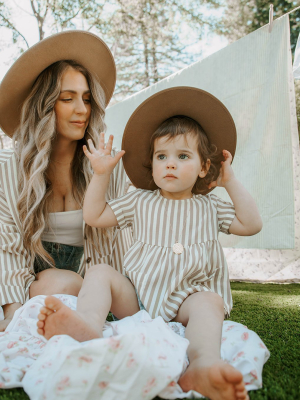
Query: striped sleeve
225	213
15	276
124	208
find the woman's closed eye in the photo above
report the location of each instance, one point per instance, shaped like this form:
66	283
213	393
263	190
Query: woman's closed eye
86	101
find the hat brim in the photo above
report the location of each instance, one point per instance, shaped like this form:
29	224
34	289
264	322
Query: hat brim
84	47
195	103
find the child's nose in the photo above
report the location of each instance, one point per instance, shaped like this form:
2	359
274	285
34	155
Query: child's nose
171	164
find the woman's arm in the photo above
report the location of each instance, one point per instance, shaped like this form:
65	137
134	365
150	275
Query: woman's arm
247	220
96	212
15	261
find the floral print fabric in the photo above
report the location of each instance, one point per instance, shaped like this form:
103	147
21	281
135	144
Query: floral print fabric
138	358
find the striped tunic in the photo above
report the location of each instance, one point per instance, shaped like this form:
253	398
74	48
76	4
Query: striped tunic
162	278
16	264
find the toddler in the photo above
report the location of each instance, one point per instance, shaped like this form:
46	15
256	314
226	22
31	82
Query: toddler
175	267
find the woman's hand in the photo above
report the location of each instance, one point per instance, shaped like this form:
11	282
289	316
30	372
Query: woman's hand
226	172
101	160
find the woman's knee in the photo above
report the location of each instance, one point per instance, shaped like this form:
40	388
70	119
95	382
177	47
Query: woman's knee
56	281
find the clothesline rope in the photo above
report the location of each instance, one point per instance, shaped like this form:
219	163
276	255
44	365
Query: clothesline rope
295	9
271	11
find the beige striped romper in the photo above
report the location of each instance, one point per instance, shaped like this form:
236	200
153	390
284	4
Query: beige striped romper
162	278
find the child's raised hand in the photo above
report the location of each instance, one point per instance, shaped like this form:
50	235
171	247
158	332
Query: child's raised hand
226	171
101	160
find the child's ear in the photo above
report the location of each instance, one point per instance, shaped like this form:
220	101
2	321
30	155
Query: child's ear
204	169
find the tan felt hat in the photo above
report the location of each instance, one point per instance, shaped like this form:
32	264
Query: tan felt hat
195	103
85	48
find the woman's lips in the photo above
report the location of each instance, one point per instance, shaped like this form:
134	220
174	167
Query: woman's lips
78	123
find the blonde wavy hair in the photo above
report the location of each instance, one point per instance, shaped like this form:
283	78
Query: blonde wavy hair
33	146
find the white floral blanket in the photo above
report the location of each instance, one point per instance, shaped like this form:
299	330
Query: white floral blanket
138	358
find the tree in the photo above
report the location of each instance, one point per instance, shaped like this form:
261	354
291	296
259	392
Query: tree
6	22
242	17
147	38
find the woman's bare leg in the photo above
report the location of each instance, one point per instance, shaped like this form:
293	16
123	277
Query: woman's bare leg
56	281
103	289
203	313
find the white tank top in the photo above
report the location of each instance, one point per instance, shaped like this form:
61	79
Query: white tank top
65	227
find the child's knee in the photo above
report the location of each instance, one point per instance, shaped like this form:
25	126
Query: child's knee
100	270
213	298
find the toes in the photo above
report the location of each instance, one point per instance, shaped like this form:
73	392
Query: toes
40	324
46	311
40	332
53	304
242	395
233	376
41	317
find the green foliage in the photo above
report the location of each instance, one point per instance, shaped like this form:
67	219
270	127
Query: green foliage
242	17
272	311
147	38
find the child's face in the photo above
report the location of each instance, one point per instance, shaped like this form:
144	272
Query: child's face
176	165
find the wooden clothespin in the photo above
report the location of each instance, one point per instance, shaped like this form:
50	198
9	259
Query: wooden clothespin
271	18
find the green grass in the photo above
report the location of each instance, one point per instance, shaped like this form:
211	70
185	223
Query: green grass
273	311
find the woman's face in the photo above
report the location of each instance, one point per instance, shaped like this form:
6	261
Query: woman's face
73	107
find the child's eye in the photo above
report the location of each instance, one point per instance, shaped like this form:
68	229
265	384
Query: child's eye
161	157
183	156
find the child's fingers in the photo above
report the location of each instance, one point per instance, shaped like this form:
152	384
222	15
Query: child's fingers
101	141
109	143
227	155
91	146
86	152
212	184
119	155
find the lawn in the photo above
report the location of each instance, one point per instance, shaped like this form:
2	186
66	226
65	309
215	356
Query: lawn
273	311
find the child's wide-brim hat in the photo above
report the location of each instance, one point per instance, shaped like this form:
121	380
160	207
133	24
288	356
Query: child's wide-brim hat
198	104
83	47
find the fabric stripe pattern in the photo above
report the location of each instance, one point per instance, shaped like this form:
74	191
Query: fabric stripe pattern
162	278
16	264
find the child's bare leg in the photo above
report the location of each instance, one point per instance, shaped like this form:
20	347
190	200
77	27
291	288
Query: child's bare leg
203	313
103	289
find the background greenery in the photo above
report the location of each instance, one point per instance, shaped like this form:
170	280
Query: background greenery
273	312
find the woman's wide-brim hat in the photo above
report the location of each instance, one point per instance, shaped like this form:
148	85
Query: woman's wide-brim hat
83	47
198	104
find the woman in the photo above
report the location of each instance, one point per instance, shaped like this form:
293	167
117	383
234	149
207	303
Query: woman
52	100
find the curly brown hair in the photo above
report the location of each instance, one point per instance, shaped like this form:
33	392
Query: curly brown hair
183	125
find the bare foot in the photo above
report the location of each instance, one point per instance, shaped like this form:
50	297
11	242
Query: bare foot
57	319
220	381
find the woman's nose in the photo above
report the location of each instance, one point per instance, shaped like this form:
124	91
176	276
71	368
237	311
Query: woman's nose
80	107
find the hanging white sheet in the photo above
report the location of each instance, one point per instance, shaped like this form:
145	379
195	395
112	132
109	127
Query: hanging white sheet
296	65
252	78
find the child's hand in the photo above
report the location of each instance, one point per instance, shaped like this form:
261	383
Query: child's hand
102	161
226	171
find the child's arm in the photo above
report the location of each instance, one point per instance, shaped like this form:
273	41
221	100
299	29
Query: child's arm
247	220
96	212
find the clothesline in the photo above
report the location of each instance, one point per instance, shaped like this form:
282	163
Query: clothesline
295	9
271	16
